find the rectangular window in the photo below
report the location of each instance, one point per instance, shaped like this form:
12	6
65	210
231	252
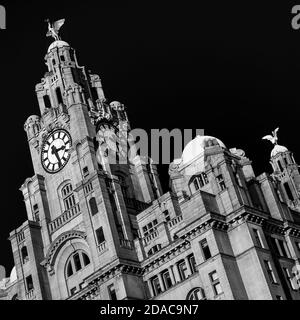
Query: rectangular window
73	290
85	172
273	245
183	271
221	182
192	263
112	292
100	235
288	191
279	298
167	279
149	228
298	246
270	272
93	206
36	215
290	279
215	282
282	248
156	285
29	283
205	179
205	249
166	215
258	238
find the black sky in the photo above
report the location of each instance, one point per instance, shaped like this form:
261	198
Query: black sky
230	68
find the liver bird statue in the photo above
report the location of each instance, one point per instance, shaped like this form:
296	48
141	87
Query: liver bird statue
54	28
273	138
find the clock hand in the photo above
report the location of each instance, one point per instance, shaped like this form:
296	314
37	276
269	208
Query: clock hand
55	152
61	148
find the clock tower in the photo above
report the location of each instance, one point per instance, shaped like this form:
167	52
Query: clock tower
81	207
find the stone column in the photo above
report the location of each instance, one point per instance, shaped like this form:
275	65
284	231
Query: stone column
150	288
188	265
162	285
176	273
172	275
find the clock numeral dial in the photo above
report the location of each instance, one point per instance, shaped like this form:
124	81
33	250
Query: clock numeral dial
55	151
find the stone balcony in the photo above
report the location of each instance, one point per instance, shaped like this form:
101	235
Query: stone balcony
64	218
30	295
127	244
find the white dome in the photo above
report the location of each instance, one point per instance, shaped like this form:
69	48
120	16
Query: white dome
13	275
58	44
197	146
278	149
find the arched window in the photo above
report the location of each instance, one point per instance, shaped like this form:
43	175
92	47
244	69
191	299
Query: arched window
68	196
93	206
15	297
196	294
77	268
76	262
47	101
24	254
58	95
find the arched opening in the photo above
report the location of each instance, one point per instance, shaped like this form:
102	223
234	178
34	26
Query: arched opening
68	196
47	101
58	95
196	294
24	254
77	269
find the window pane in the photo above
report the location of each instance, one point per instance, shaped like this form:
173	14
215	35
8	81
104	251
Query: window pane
214	276
218	288
205	249
167	279
69	269
77	262
93	206
100	235
86	259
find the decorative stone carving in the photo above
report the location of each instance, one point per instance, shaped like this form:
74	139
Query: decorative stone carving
32	126
49	261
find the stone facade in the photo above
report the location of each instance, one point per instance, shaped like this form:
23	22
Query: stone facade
98	230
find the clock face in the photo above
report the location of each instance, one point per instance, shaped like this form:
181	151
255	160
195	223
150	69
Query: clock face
55	151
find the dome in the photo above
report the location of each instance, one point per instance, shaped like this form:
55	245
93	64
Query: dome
58	44
13	275
278	149
197	146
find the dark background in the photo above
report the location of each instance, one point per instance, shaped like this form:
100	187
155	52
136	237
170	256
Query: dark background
228	67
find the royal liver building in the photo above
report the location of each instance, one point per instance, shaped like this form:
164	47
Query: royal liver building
101	230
